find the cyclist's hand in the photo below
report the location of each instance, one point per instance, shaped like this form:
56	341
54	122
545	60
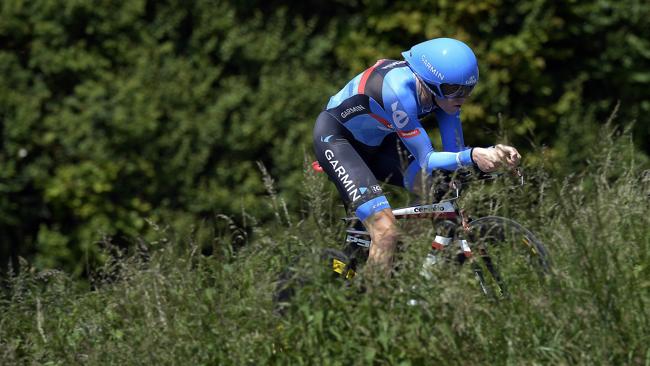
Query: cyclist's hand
508	155
491	159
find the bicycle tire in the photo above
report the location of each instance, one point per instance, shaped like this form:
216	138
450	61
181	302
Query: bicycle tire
507	257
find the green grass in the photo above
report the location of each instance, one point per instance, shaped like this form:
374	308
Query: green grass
169	304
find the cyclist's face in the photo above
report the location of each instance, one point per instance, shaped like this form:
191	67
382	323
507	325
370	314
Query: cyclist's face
450	106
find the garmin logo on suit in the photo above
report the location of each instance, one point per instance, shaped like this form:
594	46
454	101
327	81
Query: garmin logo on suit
349	111
353	192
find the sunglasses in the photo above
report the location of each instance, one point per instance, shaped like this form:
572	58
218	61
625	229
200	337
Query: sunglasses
450	90
456	90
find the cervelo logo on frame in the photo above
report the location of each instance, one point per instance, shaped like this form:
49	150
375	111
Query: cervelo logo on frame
433	208
433	70
400	118
343	176
349	111
408	134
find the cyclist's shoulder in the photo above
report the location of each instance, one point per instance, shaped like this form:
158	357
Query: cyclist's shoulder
388	82
397	75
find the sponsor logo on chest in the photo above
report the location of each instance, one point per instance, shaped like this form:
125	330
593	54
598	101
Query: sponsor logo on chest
400	118
408	134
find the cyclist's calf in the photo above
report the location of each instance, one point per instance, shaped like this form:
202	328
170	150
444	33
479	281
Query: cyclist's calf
382	228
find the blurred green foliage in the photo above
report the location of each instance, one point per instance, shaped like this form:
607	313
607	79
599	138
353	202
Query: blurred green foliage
113	113
165	304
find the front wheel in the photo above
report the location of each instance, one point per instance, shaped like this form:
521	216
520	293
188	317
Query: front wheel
507	259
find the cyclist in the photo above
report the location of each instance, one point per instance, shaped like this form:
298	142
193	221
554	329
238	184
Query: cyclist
377	114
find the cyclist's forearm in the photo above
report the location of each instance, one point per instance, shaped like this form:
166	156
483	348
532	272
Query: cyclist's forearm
447	160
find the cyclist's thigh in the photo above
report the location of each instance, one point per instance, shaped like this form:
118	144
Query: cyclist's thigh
394	164
339	155
391	161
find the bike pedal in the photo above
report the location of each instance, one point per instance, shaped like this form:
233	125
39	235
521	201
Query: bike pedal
342	269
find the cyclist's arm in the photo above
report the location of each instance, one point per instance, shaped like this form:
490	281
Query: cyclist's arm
416	140
451	131
451	134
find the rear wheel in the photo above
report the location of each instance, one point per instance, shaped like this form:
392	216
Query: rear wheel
507	259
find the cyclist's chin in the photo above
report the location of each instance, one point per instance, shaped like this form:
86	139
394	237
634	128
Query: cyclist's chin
452	110
450	106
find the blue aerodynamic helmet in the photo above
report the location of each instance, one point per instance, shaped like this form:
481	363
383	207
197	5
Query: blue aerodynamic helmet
447	66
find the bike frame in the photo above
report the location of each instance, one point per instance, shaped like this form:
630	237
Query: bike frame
444	210
441	210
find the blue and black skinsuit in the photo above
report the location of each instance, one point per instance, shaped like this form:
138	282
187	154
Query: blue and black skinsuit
359	136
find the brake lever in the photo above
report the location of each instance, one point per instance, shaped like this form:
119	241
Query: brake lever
455	184
519	174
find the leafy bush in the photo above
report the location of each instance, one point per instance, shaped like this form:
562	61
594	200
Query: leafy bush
118	112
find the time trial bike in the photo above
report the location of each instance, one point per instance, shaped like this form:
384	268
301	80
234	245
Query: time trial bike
503	256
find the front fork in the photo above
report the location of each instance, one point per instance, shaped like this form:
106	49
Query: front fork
447	234
483	254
